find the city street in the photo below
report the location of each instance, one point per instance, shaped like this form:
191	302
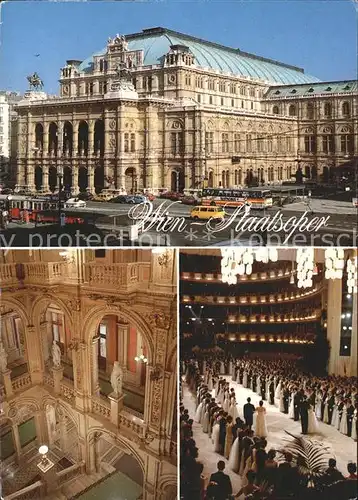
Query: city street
173	226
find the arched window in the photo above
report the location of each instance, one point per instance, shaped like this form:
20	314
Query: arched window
345	109
292	110
275	110
310	111
328	109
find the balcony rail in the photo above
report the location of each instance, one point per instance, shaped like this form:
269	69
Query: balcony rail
45	272
8	274
101	407
20	382
117	275
35	491
67	391
70	472
131	422
274	274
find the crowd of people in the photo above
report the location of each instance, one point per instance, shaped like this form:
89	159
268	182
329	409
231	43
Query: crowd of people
304	398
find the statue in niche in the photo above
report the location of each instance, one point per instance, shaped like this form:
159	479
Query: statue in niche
3	358
117	379
56	354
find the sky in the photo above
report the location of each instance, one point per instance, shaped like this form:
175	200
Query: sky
319	36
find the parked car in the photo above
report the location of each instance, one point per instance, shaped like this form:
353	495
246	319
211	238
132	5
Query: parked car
188	200
120	199
75	203
85	196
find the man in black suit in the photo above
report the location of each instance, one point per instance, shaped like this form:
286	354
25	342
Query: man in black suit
222	432
221	483
249	411
286	395
263	388
296	405
330	403
350	412
304	407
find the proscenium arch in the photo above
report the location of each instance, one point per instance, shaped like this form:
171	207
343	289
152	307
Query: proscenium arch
121	441
92	320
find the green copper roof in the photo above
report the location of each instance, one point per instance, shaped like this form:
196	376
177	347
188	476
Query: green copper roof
327	88
156	43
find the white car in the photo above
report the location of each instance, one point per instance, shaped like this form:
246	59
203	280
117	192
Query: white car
75	203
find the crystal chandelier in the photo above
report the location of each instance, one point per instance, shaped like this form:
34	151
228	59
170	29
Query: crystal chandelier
305	267
239	261
352	275
141	359
334	261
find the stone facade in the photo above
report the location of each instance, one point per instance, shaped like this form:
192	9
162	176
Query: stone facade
183	123
67	297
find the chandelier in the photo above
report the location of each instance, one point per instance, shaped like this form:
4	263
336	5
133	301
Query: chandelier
305	267
239	261
334	261
352	275
141	359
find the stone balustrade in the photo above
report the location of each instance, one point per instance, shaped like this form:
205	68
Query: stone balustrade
131	422
70	473
8	274
45	272
114	276
67	391
101	407
19	383
35	491
48	380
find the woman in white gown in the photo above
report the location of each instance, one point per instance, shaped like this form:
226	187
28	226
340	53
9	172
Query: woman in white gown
260	425
291	409
258	385
233	409
226	403
198	412
216	435
277	394
325	410
210	381
343	423
244	380
354	425
205	421
282	402
318	408
312	422
234	456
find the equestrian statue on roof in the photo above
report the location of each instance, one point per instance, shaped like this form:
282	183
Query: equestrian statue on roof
35	82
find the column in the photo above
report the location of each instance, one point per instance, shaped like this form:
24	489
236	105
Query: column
122	333
45	184
17	442
107	120
57	374
90	177
40	428
75	138
119	135
34	354
75	178
354	343
90	138
63	433
45	141
6	375
334	307
95	382
60	139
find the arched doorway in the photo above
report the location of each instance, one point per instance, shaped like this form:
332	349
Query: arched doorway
62	432
52	178
307	172
177	180
68	138
39	136
130	179
82	179
13	342
314	173
53	138
57	330
325	174
67	179
38	177
99	138
83	138
211	179
118	340
99	178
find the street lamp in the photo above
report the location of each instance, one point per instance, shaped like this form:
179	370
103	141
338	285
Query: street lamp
8	202
60	177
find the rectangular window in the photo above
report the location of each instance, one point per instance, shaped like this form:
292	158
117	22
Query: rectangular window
237	143
209	142
289	143
269	144
232	103
176	141
328	143
126	143
132	143
199	98
210	100
248	143
310	144
222	101
347	143
225	143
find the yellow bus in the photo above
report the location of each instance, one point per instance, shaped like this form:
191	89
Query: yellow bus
258	198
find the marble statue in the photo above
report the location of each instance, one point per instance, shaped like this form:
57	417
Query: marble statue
3	358
56	354
117	379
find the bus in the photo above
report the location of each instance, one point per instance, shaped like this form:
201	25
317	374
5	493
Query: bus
258	198
37	209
